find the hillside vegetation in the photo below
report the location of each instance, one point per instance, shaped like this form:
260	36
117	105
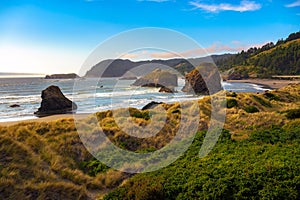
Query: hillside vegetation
257	155
282	58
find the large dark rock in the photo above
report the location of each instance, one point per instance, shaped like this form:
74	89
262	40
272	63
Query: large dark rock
158	78
54	102
198	80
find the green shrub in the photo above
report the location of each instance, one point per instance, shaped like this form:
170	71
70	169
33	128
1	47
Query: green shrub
93	167
251	109
271	96
231	94
139	114
267	136
262	102
277	134
231	103
293	114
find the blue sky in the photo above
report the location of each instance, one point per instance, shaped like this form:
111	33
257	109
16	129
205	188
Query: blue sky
56	36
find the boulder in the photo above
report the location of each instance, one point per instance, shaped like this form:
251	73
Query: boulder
195	81
151	105
167	90
54	102
157	78
14	106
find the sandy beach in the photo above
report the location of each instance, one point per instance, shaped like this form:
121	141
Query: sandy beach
45	119
267	83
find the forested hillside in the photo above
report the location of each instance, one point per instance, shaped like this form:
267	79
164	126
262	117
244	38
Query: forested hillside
282	58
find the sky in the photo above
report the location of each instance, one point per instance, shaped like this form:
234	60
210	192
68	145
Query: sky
57	36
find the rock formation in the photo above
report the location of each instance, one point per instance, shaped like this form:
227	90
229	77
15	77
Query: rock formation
167	90
151	105
54	102
158	78
14	106
198	80
62	76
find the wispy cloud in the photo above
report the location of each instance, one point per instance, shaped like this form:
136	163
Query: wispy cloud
295	4
244	6
215	48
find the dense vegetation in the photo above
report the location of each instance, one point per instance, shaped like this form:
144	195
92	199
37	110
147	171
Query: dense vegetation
257	155
265	166
282	58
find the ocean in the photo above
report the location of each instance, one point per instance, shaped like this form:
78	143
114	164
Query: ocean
90	95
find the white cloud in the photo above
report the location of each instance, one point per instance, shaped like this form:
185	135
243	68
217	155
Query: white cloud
244	6
295	4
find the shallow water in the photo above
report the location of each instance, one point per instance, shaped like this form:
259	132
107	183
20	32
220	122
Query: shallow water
90	95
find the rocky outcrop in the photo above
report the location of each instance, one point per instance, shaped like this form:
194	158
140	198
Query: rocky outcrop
167	90
198	80
128	78
62	76
54	102
151	105
158	78
14	106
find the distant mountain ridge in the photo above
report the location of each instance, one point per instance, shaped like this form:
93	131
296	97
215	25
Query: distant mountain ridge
282	58
118	67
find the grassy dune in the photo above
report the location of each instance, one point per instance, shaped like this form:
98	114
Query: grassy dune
46	160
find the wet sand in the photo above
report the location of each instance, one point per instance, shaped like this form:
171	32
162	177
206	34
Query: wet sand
266	83
45	119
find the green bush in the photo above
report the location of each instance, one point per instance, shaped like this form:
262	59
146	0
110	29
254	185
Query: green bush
231	94
93	167
277	134
293	114
251	109
231	103
262	102
271	96
139	114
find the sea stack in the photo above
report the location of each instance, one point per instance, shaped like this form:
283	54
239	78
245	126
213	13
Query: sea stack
202	80
55	102
158	78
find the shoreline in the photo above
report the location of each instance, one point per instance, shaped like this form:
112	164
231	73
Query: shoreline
271	84
46	119
266	83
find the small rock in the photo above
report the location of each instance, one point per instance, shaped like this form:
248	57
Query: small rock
14	106
167	90
152	104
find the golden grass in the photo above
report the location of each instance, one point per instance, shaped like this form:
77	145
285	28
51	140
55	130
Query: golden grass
41	160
